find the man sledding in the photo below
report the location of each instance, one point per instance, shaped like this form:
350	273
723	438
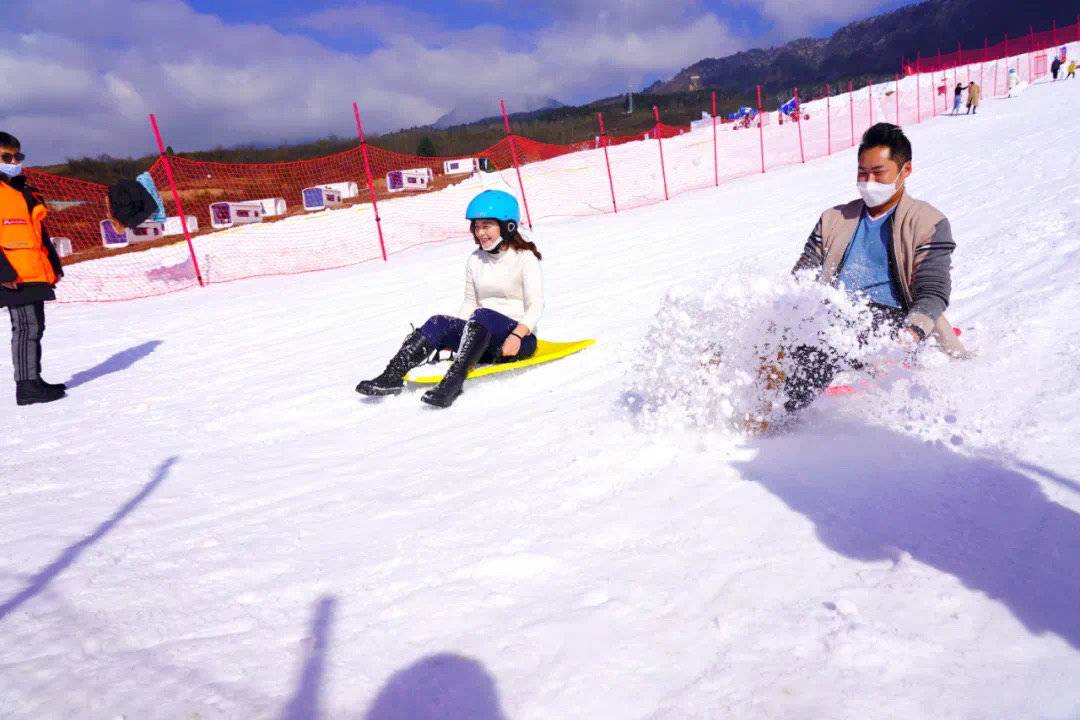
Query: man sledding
888	248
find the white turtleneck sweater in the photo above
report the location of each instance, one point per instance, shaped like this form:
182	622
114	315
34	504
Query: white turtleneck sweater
509	283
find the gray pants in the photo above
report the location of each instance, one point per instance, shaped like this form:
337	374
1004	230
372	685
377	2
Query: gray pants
27	327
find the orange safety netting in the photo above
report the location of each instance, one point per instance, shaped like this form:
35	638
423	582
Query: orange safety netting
251	220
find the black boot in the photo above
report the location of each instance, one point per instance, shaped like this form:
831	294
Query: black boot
60	387
474	342
29	392
414	351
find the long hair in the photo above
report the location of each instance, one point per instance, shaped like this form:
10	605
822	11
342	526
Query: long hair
516	241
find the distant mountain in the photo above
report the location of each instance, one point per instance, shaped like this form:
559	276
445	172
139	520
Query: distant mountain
477	113
876	46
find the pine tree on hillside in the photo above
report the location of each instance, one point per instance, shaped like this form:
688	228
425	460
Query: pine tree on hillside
426	148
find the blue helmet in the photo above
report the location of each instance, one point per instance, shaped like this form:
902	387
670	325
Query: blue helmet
494	205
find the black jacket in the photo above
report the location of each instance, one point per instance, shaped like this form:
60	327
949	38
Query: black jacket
28	293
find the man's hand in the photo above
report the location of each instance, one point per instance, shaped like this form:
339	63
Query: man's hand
10	285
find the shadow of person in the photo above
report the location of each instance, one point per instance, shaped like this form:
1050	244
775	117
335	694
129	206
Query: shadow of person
438	687
873	493
71	554
117	363
304	704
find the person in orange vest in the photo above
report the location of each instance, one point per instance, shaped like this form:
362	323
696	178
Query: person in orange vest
29	270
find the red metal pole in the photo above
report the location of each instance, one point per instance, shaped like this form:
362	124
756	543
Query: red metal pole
918	88
370	181
607	161
761	128
798	121
517	167
660	142
870	101
996	62
851	105
176	199
828	115
1054	36
1031	49
715	153
898	100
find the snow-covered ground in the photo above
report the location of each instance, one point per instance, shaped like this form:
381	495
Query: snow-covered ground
214	525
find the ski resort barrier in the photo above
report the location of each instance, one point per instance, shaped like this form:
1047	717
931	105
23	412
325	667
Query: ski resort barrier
251	220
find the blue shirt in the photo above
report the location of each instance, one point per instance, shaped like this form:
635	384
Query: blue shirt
865	267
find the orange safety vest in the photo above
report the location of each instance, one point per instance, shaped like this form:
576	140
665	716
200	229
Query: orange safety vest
20	237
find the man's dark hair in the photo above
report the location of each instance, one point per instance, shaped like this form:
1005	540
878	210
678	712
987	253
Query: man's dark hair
890	136
9	140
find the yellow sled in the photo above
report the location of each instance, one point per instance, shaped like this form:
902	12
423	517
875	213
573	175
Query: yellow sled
545	352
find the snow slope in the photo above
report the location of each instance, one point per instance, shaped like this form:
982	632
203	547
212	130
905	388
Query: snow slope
214	525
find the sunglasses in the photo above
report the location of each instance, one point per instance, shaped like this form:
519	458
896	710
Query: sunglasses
12	157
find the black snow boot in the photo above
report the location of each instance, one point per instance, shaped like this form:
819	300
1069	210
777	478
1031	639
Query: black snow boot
474	342
30	392
414	351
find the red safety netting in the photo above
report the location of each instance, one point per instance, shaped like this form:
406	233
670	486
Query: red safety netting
249	220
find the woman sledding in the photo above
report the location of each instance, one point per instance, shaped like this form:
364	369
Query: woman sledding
504	297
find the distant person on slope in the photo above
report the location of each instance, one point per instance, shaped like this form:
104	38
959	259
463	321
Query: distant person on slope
504	297
1055	67
1071	69
957	98
29	270
887	247
974	95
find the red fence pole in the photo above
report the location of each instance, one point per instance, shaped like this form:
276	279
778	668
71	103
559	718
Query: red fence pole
851	105
1054	36
370	181
607	161
870	101
918	88
828	115
1031	49
761	128
798	121
660	142
715	153
176	199
996	77
898	100
517	168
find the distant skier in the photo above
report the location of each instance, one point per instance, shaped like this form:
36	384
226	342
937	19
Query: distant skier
974	95
504	297
1071	69
1013	83
887	247
957	98
30	268
1055	67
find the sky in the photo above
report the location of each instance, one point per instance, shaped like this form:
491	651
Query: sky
79	79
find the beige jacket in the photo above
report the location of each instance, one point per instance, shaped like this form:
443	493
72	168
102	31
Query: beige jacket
919	260
974	93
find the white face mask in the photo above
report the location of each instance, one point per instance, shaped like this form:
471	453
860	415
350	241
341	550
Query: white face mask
11	170
876	194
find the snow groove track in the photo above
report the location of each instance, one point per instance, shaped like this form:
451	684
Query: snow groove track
214	525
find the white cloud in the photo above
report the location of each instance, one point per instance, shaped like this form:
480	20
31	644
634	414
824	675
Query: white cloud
80	78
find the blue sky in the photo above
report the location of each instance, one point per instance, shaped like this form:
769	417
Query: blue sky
79	78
